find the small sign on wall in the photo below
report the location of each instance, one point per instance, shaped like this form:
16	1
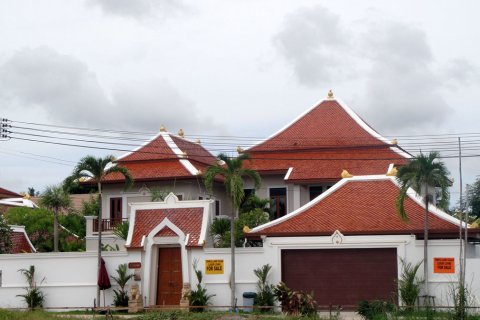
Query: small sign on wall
134	265
443	265
214	267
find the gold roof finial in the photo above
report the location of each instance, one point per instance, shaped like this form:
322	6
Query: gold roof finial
162	128
392	172
345	174
181	133
197	141
330	94
246	229
394	142
26	196
199	172
184	154
239	149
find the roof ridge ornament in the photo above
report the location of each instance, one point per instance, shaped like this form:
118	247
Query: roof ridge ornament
392	172
337	237
345	174
239	149
330	95
162	128
394	142
198	141
181	133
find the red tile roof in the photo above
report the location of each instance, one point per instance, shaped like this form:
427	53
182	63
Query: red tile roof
166	232
167	146
164	157
189	220
322	143
4	193
327	164
329	124
20	241
354	207
150	170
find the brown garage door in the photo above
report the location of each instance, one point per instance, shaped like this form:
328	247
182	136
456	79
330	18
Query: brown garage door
342	276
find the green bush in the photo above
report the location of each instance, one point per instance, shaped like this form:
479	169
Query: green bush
199	297
265	296
409	284
120	298
33	296
374	310
295	302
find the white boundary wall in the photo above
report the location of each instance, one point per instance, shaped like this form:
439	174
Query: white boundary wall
70	278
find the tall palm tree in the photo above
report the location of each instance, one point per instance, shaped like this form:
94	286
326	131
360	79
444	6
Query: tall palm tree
96	169
419	174
232	172
55	198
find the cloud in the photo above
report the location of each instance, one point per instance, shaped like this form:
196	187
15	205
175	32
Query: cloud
402	89
313	41
139	9
65	91
402	85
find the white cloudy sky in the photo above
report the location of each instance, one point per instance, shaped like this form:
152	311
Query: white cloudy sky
243	68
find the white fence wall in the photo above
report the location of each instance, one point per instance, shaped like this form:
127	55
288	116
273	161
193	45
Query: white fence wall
70	278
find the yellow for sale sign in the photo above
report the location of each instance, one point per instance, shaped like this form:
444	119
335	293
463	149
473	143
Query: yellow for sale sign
214	266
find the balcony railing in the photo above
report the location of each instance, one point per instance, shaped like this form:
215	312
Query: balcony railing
107	224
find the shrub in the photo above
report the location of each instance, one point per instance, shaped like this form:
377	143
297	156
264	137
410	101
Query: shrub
121	230
219	230
265	296
295	302
409	284
120	298
199	297
375	309
34	297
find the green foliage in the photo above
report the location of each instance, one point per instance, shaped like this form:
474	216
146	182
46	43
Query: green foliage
420	172
295	302
233	173
218	230
474	199
250	219
38	225
253	202
5	236
108	247
375	309
158	194
121	230
199	297
265	295
120	298
91	207
33	296
409	284
75	223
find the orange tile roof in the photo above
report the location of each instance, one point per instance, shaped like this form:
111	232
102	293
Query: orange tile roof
354	207
194	151
189	220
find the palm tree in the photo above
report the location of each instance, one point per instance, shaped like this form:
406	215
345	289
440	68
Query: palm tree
55	198
96	169
419	174
232	172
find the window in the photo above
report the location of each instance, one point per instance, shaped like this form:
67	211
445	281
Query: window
179	197
217	207
200	198
315	191
278	207
116	209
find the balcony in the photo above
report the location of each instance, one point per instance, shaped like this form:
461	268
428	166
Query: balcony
108	225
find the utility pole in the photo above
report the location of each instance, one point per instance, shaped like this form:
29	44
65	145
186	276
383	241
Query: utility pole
460	280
